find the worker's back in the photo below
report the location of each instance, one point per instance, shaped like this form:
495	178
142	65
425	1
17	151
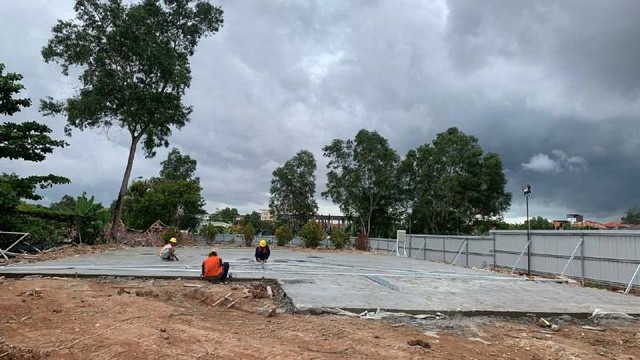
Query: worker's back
212	266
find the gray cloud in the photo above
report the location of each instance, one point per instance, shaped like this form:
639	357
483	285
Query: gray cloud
550	86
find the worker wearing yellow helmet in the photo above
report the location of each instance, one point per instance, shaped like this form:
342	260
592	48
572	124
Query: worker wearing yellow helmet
262	251
168	252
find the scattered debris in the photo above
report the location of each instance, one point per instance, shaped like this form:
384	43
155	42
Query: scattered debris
271	311
325	351
601	314
480	340
269	291
418	342
542	322
594	328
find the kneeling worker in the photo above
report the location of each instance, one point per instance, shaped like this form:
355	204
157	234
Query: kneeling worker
262	251
213	269
168	252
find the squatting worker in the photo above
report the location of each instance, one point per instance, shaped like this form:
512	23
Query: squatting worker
213	269
262	251
168	252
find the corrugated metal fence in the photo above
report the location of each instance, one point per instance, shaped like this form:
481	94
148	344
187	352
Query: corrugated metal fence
603	256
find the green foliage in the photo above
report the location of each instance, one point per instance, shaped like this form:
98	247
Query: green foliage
134	68
283	235
338	238
171	232
227	215
209	231
249	233
88	217
293	188
450	183
9	87
361	177
254	220
539	223
44	231
232	230
311	234
632	216
27	141
175	200
178	167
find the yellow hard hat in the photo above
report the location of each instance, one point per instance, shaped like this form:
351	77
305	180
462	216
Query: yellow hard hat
213	252
263	243
173	240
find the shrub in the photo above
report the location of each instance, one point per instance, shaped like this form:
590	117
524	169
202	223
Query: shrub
311	234
209	231
171	232
339	238
249	234
362	243
283	235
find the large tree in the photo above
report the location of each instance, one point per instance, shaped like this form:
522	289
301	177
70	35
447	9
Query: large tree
134	62
293	189
28	141
451	184
173	198
361	176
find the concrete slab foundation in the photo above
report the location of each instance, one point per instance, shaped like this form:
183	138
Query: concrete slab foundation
357	281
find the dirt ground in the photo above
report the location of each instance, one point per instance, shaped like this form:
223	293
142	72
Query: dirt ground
126	318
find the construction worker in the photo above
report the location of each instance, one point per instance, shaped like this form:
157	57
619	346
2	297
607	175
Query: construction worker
213	269
262	251
168	252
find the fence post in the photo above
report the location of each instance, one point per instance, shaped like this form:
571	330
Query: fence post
410	238
425	249
582	272
466	251
494	251
444	259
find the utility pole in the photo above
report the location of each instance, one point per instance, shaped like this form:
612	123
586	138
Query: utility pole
526	190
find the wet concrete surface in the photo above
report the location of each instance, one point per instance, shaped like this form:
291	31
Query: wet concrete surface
356	281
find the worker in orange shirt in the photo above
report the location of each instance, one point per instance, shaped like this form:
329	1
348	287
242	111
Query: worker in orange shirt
213	269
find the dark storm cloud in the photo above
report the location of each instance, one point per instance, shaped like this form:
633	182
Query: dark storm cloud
550	86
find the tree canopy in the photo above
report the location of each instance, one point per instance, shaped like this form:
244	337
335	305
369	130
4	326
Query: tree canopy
293	189
28	141
173	198
134	62
450	184
361	176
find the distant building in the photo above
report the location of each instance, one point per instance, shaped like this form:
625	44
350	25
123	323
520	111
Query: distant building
265	215
328	222
617	225
575	218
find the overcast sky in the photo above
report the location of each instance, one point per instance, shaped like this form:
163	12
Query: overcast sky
551	86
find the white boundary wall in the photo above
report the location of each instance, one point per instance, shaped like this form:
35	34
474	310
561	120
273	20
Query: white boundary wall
607	256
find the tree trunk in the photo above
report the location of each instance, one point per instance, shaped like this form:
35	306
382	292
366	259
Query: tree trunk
117	214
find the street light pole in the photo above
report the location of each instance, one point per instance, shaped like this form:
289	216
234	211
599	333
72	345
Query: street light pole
526	190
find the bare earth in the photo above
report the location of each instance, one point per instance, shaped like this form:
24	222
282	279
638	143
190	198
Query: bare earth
111	318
